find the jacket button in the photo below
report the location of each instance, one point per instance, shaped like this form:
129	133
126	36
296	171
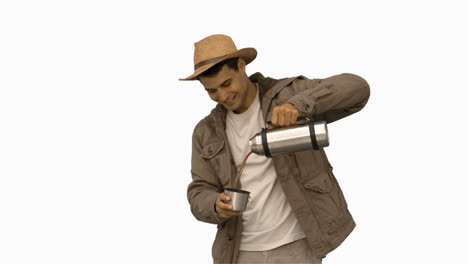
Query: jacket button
307	107
229	237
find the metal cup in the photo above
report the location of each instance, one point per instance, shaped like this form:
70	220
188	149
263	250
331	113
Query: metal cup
239	199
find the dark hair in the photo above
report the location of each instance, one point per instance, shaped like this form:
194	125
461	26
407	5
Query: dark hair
231	63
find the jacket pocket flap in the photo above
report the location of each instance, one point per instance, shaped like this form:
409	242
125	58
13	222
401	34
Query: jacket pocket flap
210	150
321	184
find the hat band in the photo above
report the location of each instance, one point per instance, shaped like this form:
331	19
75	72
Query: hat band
205	62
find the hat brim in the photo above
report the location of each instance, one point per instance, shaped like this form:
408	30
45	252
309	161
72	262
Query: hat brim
248	54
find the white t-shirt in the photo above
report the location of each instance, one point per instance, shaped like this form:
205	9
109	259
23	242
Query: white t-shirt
268	221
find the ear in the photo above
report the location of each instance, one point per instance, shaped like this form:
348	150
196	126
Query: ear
241	64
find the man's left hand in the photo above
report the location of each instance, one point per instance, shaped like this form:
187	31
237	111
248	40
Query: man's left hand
284	115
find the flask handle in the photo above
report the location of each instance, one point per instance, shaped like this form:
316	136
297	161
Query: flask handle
299	119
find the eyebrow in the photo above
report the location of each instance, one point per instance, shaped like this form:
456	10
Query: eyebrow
209	89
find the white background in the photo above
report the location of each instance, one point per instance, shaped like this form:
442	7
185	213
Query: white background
95	128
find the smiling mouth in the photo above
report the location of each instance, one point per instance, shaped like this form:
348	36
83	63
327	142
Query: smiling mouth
230	100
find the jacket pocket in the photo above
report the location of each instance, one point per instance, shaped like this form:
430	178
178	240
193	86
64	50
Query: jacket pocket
215	154
211	150
327	201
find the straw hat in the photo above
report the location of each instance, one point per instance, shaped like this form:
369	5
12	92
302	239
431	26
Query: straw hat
214	49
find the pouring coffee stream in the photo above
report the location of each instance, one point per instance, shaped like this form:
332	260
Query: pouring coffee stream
241	168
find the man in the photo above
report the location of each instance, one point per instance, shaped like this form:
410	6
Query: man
296	211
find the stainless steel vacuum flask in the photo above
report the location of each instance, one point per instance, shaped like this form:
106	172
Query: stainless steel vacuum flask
312	135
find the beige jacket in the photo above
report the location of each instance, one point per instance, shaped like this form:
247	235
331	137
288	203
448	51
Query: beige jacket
306	177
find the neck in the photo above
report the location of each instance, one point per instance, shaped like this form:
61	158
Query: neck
251	94
252	90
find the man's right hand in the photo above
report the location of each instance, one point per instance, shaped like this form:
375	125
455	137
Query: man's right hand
223	209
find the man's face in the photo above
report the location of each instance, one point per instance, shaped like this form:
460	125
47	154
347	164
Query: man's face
229	88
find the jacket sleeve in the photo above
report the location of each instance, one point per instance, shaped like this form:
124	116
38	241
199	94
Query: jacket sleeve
330	99
205	186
